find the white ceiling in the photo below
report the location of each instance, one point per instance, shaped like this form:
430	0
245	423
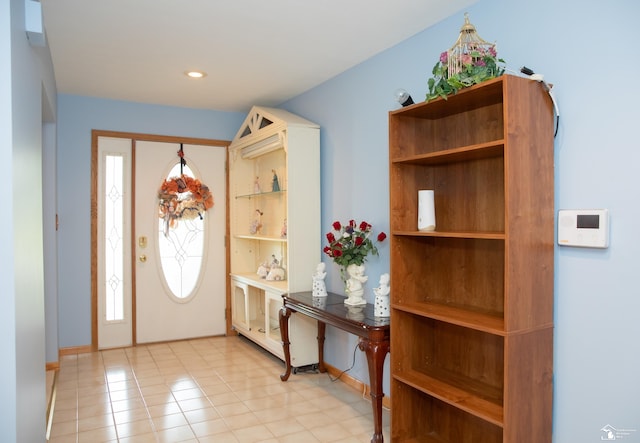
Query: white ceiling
254	51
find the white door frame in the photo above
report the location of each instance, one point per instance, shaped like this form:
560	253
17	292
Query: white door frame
95	134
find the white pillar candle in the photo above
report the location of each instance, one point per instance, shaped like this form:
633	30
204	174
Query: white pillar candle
426	211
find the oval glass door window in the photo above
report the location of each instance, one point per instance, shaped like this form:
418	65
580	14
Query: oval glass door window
181	249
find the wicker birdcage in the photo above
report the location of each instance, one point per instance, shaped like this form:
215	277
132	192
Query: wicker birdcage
468	48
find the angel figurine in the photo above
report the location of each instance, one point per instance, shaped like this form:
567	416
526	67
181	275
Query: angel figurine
319	287
381	303
256	224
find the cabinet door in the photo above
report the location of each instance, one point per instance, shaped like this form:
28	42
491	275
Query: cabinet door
274	303
239	300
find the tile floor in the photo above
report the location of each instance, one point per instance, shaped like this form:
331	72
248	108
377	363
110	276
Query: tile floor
223	389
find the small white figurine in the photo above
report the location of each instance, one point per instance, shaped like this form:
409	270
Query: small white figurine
256	186
381	304
276	272
354	288
319	287
256	224
263	270
283	231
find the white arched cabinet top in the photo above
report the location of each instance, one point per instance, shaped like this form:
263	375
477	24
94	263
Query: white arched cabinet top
274	216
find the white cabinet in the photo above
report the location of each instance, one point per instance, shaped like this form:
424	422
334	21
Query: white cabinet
274	182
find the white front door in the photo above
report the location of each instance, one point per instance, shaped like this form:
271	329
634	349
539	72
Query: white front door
170	278
180	283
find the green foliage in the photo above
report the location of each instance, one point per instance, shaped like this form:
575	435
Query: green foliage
477	66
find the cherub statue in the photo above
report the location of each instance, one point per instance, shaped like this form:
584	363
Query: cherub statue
354	288
381	304
319	287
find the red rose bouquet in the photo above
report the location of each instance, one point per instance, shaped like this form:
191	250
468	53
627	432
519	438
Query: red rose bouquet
351	243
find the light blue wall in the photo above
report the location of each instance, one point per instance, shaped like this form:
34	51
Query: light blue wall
588	50
585	48
78	116
26	82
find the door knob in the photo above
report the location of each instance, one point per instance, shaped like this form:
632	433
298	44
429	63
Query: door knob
143	258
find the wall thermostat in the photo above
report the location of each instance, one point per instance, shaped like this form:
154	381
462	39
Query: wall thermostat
586	228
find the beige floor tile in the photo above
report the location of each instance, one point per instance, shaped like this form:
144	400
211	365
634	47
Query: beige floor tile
164	409
252	434
124	394
64	428
139	427
200	415
62	439
264	403
95	422
187	394
183	383
286	426
154	389
126	405
152	380
122	385
144	438
100	435
93	410
331	432
158	399
216	389
230	409
241	421
209	427
173	435
194	403
299	437
170	421
269	415
223	399
60	415
203	390
225	437
130	415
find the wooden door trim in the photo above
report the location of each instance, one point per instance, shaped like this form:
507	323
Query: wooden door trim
134	137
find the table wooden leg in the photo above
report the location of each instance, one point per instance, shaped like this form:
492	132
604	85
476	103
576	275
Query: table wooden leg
284	335
321	330
376	353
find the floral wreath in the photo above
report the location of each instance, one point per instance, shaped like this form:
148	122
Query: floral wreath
183	197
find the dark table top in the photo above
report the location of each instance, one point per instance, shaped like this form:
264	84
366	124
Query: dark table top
333	305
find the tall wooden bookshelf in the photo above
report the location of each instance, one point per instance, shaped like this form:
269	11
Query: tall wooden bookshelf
472	302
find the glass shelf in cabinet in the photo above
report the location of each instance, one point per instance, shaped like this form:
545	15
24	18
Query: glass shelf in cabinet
261	238
262	194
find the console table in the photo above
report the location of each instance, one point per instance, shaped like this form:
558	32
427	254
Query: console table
359	320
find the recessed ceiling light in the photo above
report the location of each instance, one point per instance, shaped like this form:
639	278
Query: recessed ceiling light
196	74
